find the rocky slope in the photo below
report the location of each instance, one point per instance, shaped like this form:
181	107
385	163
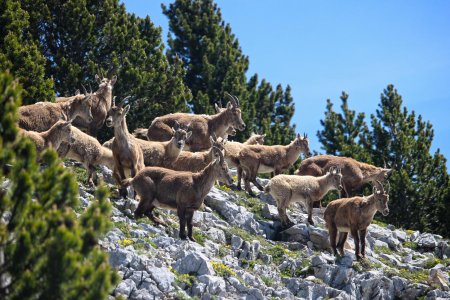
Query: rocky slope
241	254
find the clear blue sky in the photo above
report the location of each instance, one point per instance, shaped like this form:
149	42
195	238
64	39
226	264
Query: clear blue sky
322	48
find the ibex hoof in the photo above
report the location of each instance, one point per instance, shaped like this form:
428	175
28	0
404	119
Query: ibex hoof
192	239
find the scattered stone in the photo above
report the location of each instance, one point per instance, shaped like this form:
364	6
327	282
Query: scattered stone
196	263
214	284
426	241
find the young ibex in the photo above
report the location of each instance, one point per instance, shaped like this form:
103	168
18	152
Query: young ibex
354	215
202	126
101	104
196	161
287	189
177	190
256	159
88	151
60	132
232	150
126	151
355	174
42	115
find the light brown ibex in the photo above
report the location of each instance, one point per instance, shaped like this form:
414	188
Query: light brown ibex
232	150
354	215
88	151
126	151
177	190
42	115
202	126
256	159
287	189
196	161
60	132
355	173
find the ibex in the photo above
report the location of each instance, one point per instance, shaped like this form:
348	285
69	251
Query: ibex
256	159
231	131
196	161
60	132
88	151
140	133
101	104
355	173
176	190
287	189
42	115
202	126
126	151
354	215
232	150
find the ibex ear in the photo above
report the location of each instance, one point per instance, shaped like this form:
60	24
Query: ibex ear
188	135
77	92
113	80
97	79
126	109
211	139
176	125
229	105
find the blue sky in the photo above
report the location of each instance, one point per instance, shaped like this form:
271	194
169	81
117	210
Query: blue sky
322	48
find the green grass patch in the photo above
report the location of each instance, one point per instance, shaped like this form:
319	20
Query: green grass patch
124	227
379	223
365	265
418	276
243	234
411	245
278	253
125	242
223	188
80	173
383	249
433	261
268	281
199	236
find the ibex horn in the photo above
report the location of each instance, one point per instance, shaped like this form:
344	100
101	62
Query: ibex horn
114	101
124	101
388	185
84	89
237	101
90	88
380	186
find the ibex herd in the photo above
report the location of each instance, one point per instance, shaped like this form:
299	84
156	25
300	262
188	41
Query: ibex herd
175	162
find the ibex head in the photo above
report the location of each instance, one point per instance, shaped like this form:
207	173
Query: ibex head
234	109
105	83
302	144
117	113
381	197
335	176
221	167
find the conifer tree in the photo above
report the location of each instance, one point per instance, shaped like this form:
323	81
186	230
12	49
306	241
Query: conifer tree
20	54
48	253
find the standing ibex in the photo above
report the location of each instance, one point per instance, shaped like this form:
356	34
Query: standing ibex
60	132
88	151
42	115
355	174
256	159
232	150
287	189
126	151
177	190
202	126
354	215
101	104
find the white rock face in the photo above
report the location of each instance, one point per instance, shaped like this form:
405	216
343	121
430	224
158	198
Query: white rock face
242	253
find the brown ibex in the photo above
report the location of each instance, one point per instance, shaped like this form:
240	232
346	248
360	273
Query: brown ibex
196	161
176	190
125	148
355	174
287	189
256	159
88	151
202	126
101	104
232	150
354	215
60	132
42	115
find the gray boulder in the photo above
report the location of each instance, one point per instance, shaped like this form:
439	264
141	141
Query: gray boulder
125	288
214	284
120	257
427	241
194	262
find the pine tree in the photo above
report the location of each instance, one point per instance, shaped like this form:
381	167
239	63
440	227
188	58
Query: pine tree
344	134
20	54
48	252
215	64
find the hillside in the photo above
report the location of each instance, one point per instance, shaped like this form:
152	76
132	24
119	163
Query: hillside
236	255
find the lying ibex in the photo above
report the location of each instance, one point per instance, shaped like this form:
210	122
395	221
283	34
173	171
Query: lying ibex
196	161
256	159
287	189
202	126
42	115
232	150
101	104
177	190
126	151
140	133
355	174
60	132
354	215
88	151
